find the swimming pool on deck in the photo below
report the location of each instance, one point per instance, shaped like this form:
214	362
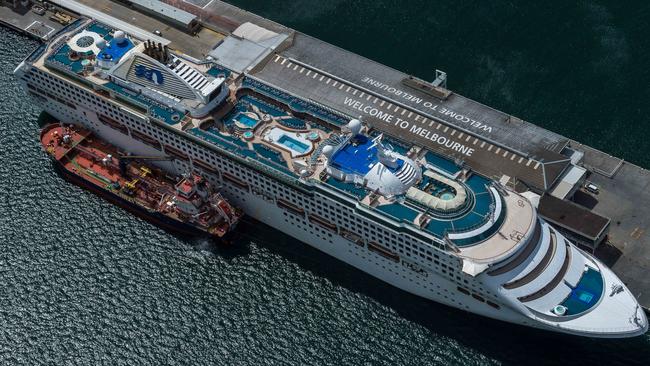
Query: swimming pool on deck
246	121
586	293
294	142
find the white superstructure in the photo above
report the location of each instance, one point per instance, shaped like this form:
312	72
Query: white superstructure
398	212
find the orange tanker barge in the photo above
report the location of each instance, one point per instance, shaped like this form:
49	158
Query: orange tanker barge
188	205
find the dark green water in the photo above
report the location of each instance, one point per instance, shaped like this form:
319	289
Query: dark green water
83	282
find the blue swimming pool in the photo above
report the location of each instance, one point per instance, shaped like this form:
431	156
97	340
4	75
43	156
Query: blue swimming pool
293	144
447	196
586	294
247	121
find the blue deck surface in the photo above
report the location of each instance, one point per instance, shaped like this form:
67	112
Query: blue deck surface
359	193
156	109
356	159
478	184
479	214
218	71
269	153
115	51
441	163
101	29
439	227
61	57
294	103
399	211
260	153
471	219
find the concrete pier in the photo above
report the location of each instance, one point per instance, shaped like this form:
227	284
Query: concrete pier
27	21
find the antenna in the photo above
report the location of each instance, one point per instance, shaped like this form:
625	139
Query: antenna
441	79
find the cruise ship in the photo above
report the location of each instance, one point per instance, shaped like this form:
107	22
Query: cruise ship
342	176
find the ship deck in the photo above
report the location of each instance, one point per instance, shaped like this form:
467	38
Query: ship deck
501	144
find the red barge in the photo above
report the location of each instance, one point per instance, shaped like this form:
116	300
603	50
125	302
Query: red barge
187	205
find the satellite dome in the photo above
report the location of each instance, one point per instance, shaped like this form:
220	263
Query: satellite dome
354	126
100	43
120	38
328	151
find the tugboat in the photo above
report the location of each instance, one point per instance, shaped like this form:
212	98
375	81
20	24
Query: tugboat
186	204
